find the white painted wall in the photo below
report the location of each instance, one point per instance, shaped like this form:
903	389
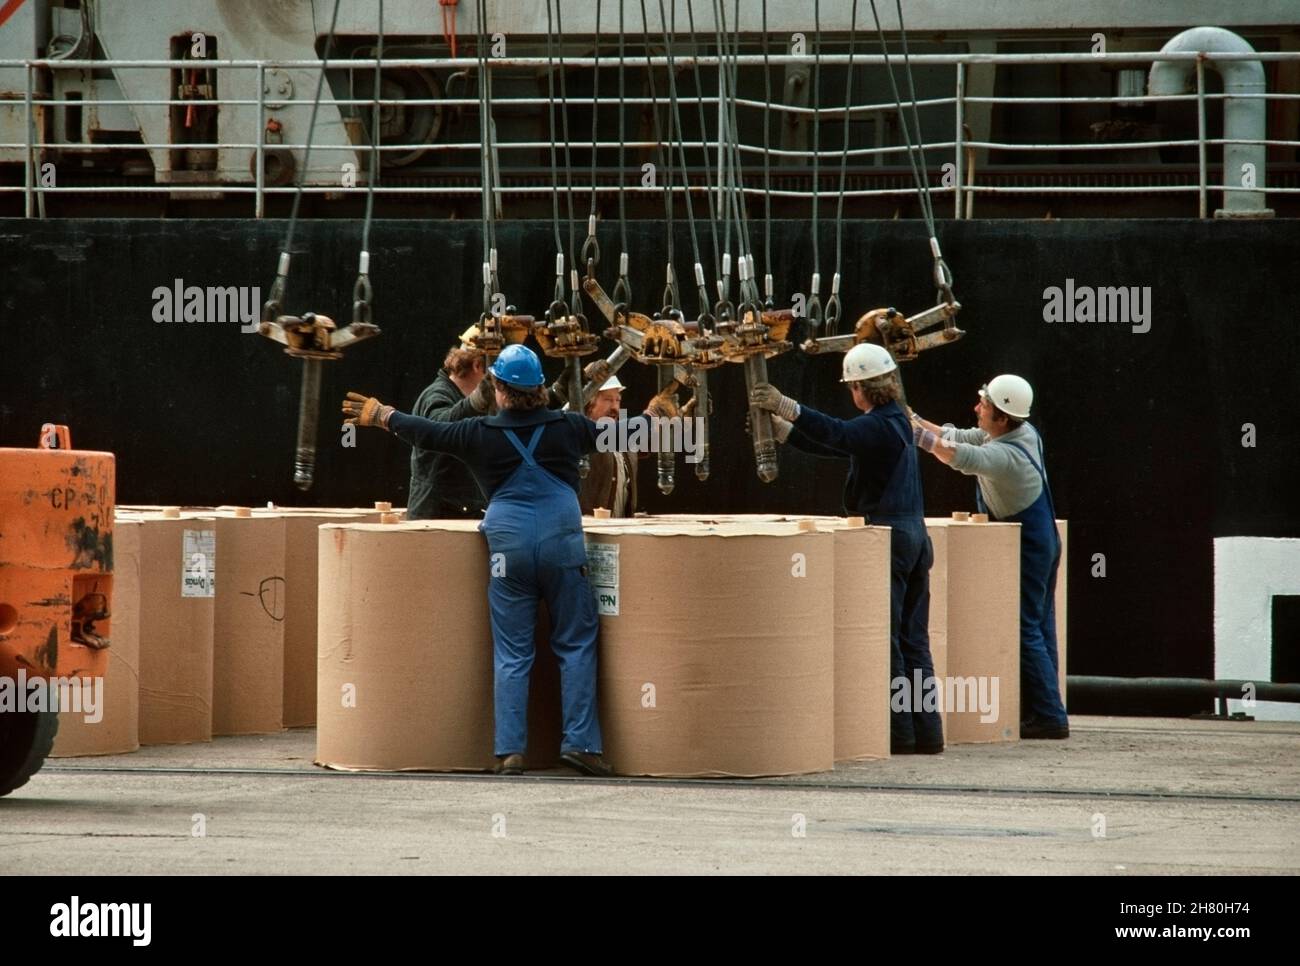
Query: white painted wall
1248	571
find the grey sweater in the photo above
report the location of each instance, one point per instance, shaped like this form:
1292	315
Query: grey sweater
1007	480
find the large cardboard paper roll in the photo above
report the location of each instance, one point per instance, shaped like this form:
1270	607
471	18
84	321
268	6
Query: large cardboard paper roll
405	668
717	649
861	643
980	684
114	726
300	610
249	623
179	571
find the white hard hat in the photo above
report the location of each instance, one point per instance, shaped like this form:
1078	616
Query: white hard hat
866	360
1010	394
611	383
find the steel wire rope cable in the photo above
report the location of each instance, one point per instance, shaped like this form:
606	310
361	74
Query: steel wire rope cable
749	293
942	274
814	305
275	300
833	310
575	303
361	291
622	288
704	149
591	247
675	122
727	199
768	285
489	174
558	302
670	298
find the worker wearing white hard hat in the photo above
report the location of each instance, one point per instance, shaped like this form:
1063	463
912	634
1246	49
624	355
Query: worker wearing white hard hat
611	479
883	485
1005	455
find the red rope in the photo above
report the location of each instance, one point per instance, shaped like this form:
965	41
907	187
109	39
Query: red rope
449	23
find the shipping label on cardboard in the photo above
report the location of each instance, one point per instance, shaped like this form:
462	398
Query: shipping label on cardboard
199	563
602	570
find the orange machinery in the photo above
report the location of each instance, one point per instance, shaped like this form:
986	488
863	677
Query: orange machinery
56	583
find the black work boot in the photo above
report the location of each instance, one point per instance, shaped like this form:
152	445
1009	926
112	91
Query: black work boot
588	763
1044	728
510	764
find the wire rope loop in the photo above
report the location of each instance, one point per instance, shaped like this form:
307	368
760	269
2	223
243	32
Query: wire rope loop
724	311
831	316
361	296
814	312
591	254
942	274
622	292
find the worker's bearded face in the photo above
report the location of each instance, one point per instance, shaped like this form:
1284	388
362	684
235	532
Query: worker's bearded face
606	404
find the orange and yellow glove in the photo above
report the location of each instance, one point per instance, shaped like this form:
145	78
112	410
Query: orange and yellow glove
366	411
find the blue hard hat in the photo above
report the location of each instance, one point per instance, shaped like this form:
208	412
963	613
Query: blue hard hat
519	366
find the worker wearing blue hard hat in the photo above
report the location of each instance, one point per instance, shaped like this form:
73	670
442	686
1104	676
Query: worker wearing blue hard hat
525	458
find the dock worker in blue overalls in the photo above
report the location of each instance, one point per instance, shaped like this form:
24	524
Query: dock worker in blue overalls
884	486
1005	455
525	459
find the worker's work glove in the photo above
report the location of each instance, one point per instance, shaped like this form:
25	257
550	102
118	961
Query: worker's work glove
483	399
780	427
366	411
766	396
662	405
598	372
927	440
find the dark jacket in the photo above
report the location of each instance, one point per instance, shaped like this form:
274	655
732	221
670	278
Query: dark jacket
874	443
441	485
602	480
480	442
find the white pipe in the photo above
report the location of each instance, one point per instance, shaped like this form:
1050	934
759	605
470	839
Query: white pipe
1243	117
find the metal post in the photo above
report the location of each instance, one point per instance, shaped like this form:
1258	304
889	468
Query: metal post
259	202
304	463
29	172
1200	133
957	183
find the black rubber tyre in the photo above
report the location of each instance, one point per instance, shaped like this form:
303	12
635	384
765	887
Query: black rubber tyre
25	740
